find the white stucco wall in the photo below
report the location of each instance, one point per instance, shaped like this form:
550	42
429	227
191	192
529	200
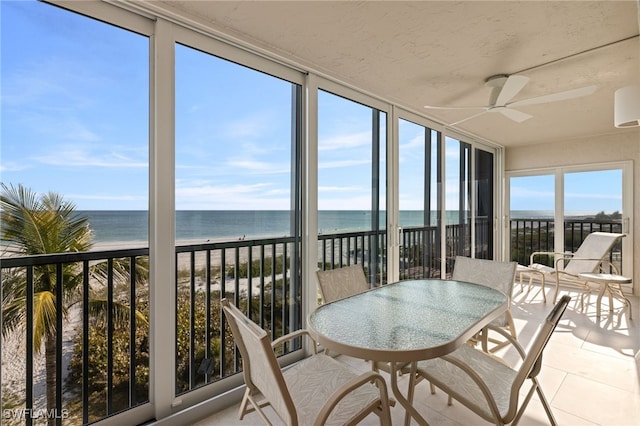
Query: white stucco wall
622	145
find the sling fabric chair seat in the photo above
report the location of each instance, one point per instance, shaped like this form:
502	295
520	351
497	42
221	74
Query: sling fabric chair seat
317	390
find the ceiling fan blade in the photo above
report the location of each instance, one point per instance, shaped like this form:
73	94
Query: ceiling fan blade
555	97
514	114
467	119
455	107
512	87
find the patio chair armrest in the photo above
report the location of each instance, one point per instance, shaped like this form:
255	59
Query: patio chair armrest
293	335
507	335
609	265
542	253
364	379
582	258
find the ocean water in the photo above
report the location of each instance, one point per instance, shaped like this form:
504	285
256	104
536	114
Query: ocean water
121	226
118	225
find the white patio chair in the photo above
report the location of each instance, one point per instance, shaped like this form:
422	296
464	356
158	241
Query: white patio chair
590	257
486	384
494	274
317	390
342	282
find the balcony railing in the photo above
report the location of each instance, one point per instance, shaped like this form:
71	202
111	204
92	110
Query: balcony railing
95	293
99	363
261	277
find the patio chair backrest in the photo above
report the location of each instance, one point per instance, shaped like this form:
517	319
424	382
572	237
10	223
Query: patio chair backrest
532	363
592	252
489	273
342	282
259	364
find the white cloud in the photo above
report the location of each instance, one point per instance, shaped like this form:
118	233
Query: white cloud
345	141
342	163
13	167
517	191
107	197
593	196
416	142
203	196
217	190
259	167
75	131
252	126
338	188
352	203
77	156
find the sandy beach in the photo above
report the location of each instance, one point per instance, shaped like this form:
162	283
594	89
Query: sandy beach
184	259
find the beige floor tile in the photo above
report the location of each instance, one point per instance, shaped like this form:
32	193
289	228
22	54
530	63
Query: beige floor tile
597	402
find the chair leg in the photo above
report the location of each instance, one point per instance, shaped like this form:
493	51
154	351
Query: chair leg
615	290
243	405
545	404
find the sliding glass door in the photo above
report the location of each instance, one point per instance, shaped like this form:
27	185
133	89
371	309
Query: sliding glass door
554	212
419	199
351	185
237	208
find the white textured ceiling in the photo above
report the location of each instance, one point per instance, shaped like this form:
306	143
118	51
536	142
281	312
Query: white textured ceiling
441	52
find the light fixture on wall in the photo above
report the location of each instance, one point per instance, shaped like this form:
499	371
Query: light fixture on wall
627	107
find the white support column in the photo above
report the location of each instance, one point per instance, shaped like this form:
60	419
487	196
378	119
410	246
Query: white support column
310	197
162	222
393	197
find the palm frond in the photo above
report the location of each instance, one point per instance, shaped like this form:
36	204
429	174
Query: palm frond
20	223
13	300
44	317
39	225
99	308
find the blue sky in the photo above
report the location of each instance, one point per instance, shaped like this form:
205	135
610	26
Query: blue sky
74	112
68	125
584	192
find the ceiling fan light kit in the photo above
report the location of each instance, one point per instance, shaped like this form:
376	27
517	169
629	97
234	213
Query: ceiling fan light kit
627	107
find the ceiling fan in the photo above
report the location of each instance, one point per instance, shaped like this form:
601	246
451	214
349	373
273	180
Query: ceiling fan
506	87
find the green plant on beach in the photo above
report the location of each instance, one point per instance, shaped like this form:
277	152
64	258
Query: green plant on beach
258	268
46	224
187	373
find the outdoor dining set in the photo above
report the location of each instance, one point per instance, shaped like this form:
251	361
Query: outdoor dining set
448	332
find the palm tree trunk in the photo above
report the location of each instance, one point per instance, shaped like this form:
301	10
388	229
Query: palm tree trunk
50	366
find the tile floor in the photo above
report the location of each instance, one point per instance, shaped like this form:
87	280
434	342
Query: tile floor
590	374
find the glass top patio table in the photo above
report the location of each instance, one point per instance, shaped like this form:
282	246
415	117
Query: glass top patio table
406	321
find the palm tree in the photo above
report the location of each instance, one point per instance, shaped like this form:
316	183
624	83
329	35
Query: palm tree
33	225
